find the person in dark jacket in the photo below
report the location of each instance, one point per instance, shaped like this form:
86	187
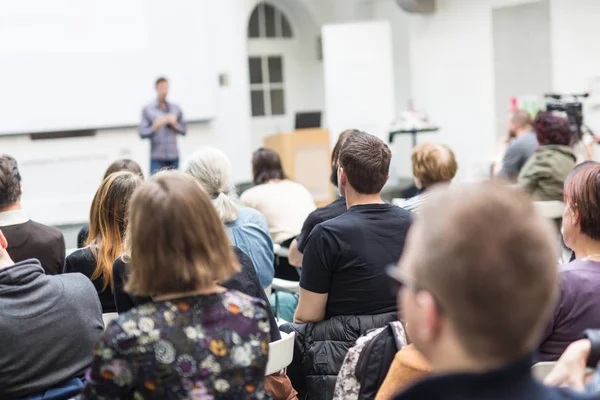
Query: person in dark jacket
476	299
26	239
246	281
108	218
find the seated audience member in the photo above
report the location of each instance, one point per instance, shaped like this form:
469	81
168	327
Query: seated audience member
246	227
335	209
124	164
432	164
246	281
572	369
544	174
343	269
108	220
343	282
26	239
204	341
284	203
49	326
579	304
522	143
476	299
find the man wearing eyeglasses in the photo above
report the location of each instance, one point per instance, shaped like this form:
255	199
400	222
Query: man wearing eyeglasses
478	281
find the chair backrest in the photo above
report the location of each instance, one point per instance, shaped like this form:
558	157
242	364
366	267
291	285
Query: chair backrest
283	285
107	317
550	209
281	353
541	370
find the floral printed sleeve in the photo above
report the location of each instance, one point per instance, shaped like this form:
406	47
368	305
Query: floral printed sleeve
110	376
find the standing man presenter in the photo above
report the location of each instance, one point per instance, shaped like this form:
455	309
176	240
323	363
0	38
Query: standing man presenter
161	123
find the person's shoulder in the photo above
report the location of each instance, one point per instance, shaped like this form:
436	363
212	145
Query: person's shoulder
250	215
84	254
79	287
48	231
405	214
119	265
253	192
241	303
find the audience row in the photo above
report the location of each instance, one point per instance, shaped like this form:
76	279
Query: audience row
470	271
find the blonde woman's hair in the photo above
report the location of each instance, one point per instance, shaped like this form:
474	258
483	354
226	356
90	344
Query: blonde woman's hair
211	168
177	241
108	222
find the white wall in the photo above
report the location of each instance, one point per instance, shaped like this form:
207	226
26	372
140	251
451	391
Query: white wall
451	58
61	176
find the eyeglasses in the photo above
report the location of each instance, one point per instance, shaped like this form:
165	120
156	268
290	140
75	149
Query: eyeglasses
400	281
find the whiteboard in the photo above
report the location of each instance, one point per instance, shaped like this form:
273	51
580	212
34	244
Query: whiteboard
72	64
359	77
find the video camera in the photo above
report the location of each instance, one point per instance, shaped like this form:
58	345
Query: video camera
572	106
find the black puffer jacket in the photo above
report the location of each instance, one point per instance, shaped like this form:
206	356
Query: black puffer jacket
320	350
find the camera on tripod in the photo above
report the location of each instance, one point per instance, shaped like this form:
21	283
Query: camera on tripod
572	106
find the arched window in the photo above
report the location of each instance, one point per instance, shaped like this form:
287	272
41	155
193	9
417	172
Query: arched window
267	21
266	68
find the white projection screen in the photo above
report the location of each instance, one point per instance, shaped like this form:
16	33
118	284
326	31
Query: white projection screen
72	64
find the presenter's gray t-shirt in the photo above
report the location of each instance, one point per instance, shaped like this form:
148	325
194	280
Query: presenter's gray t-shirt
517	153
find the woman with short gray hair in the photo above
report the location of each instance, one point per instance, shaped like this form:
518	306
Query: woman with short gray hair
246	227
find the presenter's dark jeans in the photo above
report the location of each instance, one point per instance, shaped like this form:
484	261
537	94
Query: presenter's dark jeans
158	165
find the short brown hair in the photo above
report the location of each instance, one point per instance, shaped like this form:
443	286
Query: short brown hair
10	181
335	154
582	193
178	243
266	166
522	118
366	161
160	80
433	163
552	129
108	222
490	260
124	164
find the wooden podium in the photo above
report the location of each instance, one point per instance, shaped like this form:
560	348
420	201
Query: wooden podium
306	158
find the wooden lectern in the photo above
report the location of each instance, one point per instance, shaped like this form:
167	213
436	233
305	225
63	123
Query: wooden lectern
306	158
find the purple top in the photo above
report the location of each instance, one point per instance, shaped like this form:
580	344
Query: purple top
577	310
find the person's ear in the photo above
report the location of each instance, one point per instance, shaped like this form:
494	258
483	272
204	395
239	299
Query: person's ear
3	241
20	189
575	217
342	177
431	320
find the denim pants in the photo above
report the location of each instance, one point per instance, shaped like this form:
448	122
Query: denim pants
157	165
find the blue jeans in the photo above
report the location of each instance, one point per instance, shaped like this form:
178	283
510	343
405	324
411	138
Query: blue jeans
65	390
157	165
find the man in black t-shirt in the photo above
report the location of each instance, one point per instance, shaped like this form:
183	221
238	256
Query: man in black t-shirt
343	268
338	207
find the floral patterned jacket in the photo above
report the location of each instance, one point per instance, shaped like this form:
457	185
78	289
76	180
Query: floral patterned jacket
201	347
